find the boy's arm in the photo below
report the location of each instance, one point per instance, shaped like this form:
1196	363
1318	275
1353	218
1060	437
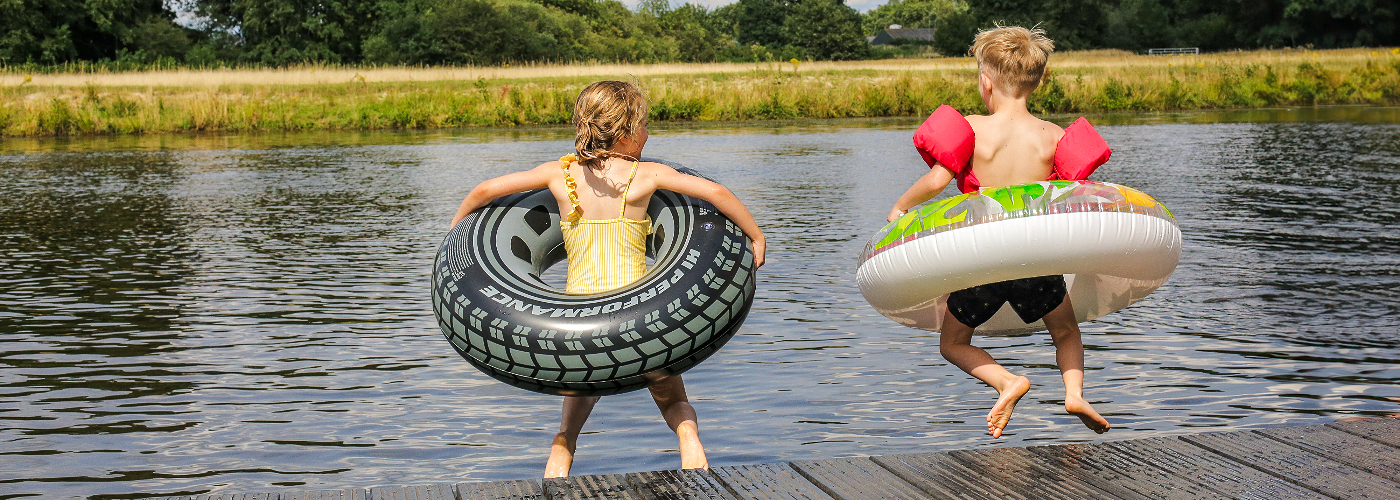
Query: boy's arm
669	179
923	189
535	178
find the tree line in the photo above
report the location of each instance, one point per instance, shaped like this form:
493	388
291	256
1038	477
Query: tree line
1136	25
490	32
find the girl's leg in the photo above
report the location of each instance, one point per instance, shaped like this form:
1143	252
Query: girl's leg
561	454
1069	356
669	394
955	343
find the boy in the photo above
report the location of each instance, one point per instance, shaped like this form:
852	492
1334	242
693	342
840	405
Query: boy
1011	147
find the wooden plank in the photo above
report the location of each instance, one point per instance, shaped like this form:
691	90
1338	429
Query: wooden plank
437	491
1377	458
1210	470
520	489
1102	464
600	487
1326	476
1033	475
768	482
939	476
341	494
1354	459
1385	430
679	485
857	479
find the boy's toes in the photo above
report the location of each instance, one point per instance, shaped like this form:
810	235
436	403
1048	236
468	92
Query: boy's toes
996	430
1006	405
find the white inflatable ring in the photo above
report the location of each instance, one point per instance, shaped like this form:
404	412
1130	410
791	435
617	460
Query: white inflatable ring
1113	244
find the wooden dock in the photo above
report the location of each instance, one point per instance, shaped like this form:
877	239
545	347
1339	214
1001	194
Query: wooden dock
1355	459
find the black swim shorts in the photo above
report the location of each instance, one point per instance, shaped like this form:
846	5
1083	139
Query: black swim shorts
1031	298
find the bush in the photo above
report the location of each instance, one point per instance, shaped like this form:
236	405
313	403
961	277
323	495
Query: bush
1115	95
1049	97
1314	84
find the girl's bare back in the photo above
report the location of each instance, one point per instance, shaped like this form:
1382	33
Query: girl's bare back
600	190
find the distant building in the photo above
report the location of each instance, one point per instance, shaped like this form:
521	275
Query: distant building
896	32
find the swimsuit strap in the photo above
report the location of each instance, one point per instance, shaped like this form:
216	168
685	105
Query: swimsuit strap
623	210
577	212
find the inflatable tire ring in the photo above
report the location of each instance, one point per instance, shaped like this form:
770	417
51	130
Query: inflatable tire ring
502	318
1114	245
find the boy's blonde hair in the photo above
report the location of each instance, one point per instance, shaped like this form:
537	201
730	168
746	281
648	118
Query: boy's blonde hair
605	112
1013	56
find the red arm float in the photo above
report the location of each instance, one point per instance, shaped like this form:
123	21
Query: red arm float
1079	152
946	139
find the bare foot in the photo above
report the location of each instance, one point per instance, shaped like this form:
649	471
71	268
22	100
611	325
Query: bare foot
1078	407
1001	412
692	452
561	458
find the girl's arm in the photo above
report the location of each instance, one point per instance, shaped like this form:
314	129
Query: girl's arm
669	179
926	187
535	178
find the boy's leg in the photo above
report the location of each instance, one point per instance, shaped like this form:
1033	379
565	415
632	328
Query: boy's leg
561	453
669	394
955	343
1069	356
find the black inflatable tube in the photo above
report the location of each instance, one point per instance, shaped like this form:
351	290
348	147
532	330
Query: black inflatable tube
501	317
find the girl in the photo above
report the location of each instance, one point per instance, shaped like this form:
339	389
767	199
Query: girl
605	227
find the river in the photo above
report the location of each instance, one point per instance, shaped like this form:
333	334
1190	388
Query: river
186	314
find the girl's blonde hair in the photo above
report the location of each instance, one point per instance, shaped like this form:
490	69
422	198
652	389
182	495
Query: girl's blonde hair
604	113
1013	56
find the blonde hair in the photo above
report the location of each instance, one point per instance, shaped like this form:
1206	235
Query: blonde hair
1013	56
604	113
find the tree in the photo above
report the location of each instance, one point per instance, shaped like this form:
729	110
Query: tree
55	31
725	20
1073	24
697	33
580	7
622	35
825	29
1137	25
282	32
821	29
761	22
954	32
475	32
1277	23
911	14
156	38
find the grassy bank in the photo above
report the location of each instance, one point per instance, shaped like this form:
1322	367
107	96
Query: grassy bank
398	98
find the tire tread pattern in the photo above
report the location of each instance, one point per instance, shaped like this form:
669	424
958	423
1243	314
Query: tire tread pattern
697	309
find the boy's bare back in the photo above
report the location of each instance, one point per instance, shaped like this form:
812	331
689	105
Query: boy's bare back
1013	147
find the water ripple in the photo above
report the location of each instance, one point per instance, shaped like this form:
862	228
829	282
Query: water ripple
180	320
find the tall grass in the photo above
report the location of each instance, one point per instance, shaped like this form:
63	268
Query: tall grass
1077	83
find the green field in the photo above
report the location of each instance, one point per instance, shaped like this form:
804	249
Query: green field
301	99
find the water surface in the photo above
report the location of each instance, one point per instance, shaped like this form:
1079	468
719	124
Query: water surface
182	315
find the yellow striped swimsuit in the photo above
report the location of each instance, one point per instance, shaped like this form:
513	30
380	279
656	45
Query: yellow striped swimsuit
603	255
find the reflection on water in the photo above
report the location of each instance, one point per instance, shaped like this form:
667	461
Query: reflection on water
238	314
